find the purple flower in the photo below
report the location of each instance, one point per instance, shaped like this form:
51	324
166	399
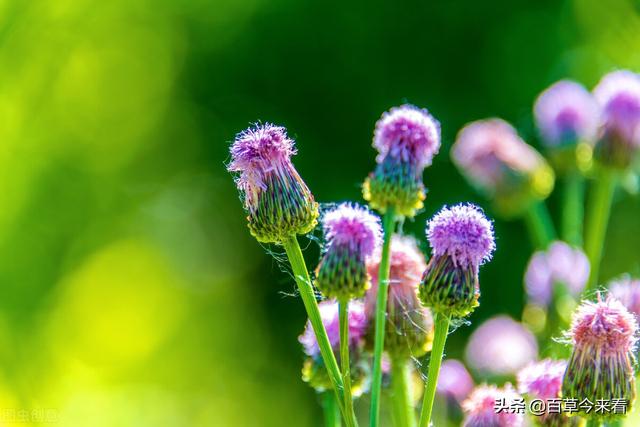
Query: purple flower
462	233
542	379
627	291
409	326
407	133
481	407
352	233
331	321
618	94
454	380
495	160
278	201
560	264
566	113
501	346
601	367
461	239
406	138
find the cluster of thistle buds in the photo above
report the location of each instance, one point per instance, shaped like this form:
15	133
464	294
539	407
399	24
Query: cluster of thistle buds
384	304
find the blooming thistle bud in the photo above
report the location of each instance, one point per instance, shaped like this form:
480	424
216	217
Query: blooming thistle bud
568	119
461	239
500	164
489	406
314	371
352	234
409	326
618	94
500	346
560	264
627	291
454	380
603	334
278	202
543	380
406	138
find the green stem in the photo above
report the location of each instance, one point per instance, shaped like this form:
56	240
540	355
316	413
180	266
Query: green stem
573	208
303	281
538	221
439	339
599	211
331	410
402	396
381	310
345	362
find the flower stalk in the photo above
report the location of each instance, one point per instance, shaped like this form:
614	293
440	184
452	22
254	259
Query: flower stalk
345	360
437	351
597	220
402	392
331	410
540	225
573	208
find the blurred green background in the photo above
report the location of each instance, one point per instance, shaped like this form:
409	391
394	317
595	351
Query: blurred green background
131	293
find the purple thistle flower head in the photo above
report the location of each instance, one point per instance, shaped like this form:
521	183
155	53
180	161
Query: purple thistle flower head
480	407
501	346
566	113
463	233
454	380
560	264
627	291
618	94
257	151
407	133
353	226
331	321
542	379
278	202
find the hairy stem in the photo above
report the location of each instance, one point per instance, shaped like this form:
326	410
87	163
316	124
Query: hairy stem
381	310
597	220
402	393
439	339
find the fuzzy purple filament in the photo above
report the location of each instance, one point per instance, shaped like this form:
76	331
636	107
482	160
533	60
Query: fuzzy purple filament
352	226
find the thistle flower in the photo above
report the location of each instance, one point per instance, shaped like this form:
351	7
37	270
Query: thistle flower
500	164
352	234
566	114
409	326
406	138
627	291
603	334
500	346
489	406
543	380
461	239
314	371
454	380
278	202
560	264
618	94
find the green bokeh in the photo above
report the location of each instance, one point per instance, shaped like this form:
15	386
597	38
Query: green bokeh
131	293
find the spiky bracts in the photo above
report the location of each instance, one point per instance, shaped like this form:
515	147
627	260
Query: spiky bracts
352	233
601	367
406	138
496	161
313	371
409	326
461	238
618	94
489	406
278	202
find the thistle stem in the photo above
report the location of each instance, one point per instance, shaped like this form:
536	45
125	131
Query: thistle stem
439	339
331	410
381	310
344	357
599	211
573	208
540	225
402	396
301	275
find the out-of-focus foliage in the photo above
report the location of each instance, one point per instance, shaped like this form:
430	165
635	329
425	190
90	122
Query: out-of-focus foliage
131	293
